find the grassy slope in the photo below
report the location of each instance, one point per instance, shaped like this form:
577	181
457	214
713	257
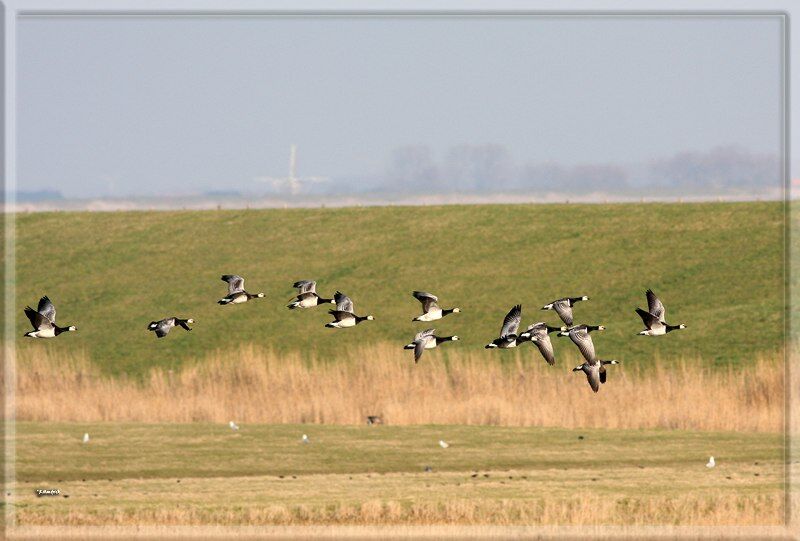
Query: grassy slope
718	268
129	467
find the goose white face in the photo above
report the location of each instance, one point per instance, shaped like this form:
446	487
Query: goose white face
260	295
370	318
190	321
72	328
456	310
681	326
456	338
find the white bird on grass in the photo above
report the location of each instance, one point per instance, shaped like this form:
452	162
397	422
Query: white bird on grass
233	426
305	439
711	463
86	438
443	444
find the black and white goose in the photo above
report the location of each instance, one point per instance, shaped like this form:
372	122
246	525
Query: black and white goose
508	333
595	372
43	320
427	340
430	307
654	317
343	316
579	334
563	307
162	327
539	334
307	295
236	292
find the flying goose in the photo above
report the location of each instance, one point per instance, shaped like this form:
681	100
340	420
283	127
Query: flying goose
426	340
539	334
595	372
563	307
508	334
43	320
654	317
343	316
579	334
307	295
162	328
236	292
430	307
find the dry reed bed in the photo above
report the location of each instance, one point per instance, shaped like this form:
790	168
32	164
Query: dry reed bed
258	386
586	509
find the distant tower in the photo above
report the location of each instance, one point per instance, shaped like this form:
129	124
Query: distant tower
293	184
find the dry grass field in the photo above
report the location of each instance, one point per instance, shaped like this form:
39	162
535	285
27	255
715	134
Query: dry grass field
205	473
252	385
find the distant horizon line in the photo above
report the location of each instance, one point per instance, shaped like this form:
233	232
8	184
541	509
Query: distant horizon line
155	203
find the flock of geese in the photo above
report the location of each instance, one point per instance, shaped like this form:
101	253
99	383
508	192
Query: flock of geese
43	320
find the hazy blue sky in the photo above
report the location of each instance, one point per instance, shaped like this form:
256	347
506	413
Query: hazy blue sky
167	106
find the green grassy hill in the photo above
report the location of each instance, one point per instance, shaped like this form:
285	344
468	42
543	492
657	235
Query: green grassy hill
717	267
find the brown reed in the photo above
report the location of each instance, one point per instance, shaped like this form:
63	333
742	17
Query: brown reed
255	385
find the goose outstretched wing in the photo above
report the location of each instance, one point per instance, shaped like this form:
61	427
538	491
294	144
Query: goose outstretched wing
580	337
47	309
428	301
343	302
511	321
305	286
655	306
38	321
649	320
564	311
235	283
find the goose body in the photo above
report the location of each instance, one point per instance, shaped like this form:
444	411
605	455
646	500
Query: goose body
307	296
427	340
508	332
343	316
236	293
539	334
595	372
162	327
579	334
43	320
563	307
431	310
653	318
